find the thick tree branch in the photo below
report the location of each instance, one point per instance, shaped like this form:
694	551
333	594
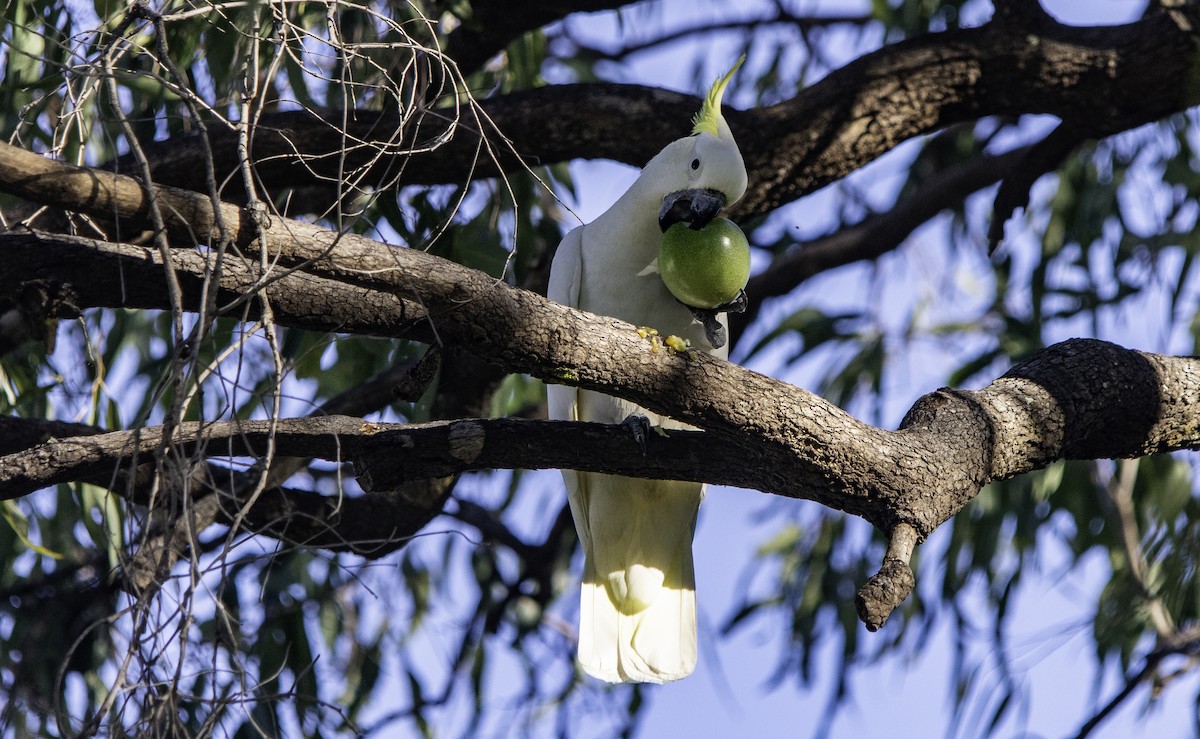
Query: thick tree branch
22	433
83	271
1097	78
388	454
1081	399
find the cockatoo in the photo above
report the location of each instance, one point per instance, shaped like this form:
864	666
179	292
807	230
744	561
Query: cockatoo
638	600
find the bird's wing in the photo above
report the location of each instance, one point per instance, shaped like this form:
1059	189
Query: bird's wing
566	272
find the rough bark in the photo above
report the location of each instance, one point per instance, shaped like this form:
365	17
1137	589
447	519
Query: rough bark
77	272
1081	399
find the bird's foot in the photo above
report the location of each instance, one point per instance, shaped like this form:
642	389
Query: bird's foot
737	305
639	426
714	330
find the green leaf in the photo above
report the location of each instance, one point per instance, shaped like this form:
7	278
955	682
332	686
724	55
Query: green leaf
103	519
20	526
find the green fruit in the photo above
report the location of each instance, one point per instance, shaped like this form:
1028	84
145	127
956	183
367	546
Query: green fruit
704	268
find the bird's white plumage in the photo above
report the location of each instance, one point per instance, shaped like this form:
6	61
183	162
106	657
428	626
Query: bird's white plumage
638	601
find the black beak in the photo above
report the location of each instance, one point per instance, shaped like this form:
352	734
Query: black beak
693	207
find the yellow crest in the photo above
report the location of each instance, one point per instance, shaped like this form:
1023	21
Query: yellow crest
706	120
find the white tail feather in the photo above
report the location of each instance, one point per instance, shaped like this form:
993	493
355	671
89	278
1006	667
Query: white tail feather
638	601
657	645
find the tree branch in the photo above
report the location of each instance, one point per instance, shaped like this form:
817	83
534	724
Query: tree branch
1070	401
1082	75
1044	156
22	433
1114	77
1184	642
1078	399
85	271
438	449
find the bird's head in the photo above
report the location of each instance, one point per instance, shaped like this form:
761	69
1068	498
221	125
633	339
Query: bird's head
704	172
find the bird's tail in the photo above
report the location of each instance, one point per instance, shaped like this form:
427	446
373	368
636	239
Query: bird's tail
638	602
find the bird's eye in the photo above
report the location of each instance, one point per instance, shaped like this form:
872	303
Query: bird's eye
695	164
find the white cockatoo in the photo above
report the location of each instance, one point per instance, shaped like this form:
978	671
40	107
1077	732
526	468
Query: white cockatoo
638	605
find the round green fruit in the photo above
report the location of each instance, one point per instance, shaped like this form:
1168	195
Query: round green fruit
704	268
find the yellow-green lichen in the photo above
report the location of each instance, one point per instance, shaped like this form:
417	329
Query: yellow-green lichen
565	374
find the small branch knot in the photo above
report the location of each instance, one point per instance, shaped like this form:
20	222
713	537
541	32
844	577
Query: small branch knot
888	588
883	592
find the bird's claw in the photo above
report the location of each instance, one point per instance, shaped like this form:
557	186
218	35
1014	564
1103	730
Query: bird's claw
737	305
714	330
639	426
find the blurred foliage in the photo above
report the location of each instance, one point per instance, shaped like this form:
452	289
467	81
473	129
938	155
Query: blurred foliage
469	628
